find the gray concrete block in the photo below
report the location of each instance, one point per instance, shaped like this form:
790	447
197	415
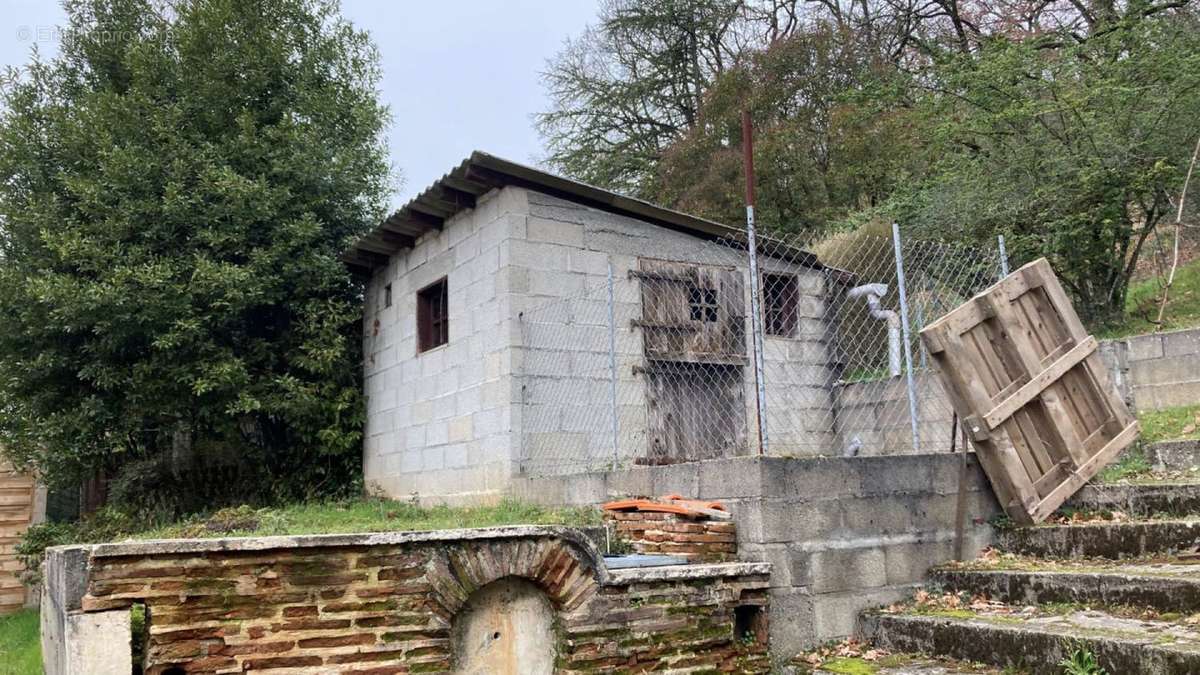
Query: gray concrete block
724	479
791	622
1144	347
1166	396
681	479
835	615
1182	343
843	569
1167	370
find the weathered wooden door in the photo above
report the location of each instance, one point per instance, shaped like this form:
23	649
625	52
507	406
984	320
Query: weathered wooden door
1025	378
694	340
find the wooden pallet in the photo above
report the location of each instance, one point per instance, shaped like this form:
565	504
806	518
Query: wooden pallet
1031	389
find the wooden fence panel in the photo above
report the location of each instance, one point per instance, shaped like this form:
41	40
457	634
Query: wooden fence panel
1031	389
17	492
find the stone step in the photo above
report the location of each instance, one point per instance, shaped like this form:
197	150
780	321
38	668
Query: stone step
909	666
1173	455
1166	586
1102	539
1038	642
1139	500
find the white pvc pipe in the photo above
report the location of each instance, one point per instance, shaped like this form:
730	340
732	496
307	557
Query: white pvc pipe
872	293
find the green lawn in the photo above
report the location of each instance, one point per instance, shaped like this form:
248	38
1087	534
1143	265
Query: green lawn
1141	305
20	650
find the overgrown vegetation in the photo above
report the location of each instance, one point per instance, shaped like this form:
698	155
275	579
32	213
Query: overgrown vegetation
328	517
1130	464
1141	305
1180	423
177	186
20	644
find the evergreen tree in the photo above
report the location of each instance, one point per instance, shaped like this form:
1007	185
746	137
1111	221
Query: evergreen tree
176	188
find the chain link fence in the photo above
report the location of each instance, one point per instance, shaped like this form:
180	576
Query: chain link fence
661	361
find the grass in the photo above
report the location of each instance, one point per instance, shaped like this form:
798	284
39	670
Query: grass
20	646
1141	305
1170	424
365	515
1129	465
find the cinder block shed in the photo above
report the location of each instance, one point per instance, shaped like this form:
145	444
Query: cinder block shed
518	322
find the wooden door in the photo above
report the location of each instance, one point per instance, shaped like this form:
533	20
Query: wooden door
694	411
1031	389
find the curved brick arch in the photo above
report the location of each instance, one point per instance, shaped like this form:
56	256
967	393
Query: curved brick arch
563	569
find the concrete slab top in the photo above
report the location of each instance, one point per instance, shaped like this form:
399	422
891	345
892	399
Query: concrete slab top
165	547
1087	622
681	572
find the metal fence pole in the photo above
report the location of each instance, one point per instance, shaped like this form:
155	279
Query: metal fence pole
1003	256
612	366
908	360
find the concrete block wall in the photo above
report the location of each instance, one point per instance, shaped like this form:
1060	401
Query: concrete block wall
876	413
440	422
1155	371
567	411
841	534
799	374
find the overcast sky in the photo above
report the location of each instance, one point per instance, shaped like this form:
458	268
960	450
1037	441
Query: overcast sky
459	75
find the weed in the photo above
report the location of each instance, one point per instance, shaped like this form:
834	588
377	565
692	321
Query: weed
1081	661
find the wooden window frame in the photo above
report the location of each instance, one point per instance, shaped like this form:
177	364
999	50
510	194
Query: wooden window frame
705	302
780	299
433	316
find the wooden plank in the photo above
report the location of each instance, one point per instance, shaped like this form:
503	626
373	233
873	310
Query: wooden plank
1085	472
1034	388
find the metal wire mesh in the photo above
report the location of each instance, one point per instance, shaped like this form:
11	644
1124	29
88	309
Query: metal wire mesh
653	363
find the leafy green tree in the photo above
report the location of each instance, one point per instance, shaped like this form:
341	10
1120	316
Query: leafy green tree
176	188
632	85
827	142
1073	145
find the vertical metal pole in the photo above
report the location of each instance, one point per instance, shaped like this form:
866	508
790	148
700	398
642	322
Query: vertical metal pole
908	360
612	366
1003	256
756	319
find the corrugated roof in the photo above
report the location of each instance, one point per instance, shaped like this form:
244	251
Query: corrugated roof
481	172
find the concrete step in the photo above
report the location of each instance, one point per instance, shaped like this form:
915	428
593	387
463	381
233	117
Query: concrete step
1037	642
915	665
1166	586
1103	539
1139	500
1173	455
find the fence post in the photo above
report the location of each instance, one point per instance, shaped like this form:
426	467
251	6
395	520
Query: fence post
756	328
612	366
1003	256
908	360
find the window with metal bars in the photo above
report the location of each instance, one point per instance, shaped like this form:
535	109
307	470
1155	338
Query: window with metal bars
433	316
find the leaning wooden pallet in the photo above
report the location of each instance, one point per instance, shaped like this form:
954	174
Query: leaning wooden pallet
1031	389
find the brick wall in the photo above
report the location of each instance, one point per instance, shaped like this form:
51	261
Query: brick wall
668	534
385	604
